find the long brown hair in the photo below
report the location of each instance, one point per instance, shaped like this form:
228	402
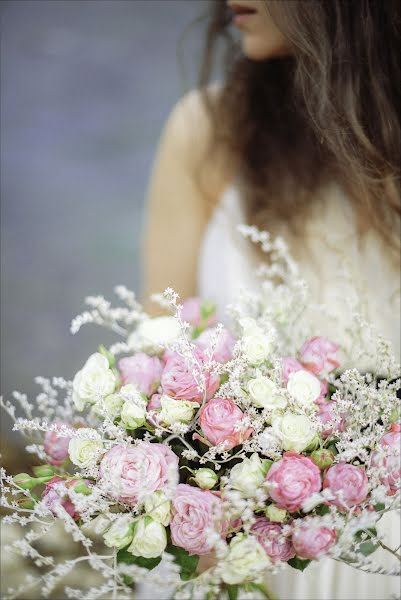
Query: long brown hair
328	111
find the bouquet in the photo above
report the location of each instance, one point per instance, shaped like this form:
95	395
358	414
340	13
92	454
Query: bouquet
250	446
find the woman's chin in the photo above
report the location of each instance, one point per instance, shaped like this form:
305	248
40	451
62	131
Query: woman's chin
258	49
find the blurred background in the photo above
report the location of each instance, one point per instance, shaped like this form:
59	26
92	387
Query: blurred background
86	86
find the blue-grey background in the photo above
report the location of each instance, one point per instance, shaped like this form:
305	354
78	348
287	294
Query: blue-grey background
86	86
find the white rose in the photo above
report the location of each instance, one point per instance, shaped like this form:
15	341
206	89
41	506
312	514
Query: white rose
110	406
303	387
154	335
158	506
150	538
205	478
246	560
133	414
248	475
176	411
85	452
120	533
256	348
94	381
264	393
249	326
295	432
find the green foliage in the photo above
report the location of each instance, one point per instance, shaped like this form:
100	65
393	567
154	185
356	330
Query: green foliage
186	562
128	558
232	591
298	563
367	546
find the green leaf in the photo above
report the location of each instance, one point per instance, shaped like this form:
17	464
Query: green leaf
146	563
367	546
186	562
298	563
232	591
379	507
110	357
322	509
262	589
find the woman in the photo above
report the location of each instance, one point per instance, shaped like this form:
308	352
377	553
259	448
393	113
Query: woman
302	138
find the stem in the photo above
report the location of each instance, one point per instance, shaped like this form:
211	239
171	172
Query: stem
393	552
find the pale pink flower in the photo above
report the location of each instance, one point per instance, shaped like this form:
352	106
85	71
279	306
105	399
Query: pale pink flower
194	512
290	365
388	459
129	473
192	313
319	355
312	540
56	446
55	495
297	478
223	349
349	484
218	420
178	380
154	405
270	536
326	415
141	370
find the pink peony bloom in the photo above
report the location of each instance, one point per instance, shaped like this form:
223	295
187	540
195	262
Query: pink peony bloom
348	483
270	536
179	382
56	447
326	414
388	459
194	512
192	313
319	355
290	365
55	495
297	478
218	420
129	473
154	404
141	370
311	539
223	349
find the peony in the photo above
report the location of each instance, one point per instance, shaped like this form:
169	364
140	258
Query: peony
195	512
349	484
388	459
56	446
312	540
270	536
319	355
223	348
94	381
130	473
141	370
150	538
179	382
296	478
295	432
199	313
120	533
176	411
154	335
264	394
158	506
304	388
84	452
248	475
327	416
55	497
219	418
245	561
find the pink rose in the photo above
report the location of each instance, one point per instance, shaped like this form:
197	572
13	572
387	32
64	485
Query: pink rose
312	540
296	478
223	349
194	512
56	447
270	536
326	414
179	382
141	370
348	483
388	459
290	365
154	405
131	472
319	355
218	420
192	313
55	495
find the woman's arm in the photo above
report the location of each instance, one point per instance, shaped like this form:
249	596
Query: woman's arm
178	208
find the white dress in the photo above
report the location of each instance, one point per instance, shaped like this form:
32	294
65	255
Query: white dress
335	267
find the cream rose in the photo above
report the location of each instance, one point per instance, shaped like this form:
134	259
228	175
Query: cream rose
84	452
256	348
158	507
304	387
150	538
245	561
248	475
205	478
94	381
264	394
120	533
295	432
154	335
110	406
176	411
